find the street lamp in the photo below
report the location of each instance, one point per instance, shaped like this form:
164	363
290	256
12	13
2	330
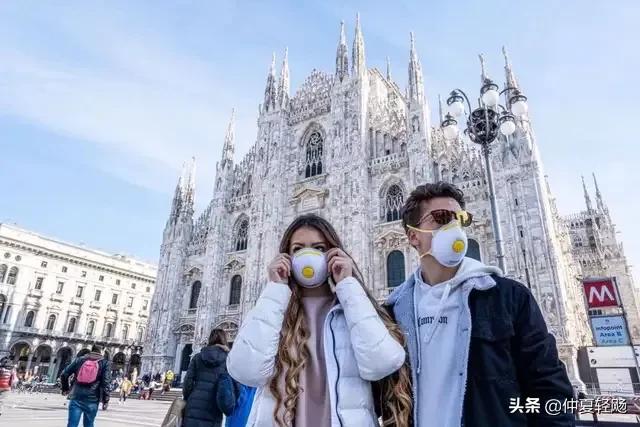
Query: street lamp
484	124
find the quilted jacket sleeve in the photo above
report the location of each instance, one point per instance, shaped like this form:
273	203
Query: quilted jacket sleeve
251	360
377	353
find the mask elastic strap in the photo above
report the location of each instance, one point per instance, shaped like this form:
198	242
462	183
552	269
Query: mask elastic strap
422	231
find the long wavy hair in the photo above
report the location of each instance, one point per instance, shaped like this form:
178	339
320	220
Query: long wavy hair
293	353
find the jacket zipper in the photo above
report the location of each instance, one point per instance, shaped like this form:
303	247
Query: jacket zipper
466	359
335	356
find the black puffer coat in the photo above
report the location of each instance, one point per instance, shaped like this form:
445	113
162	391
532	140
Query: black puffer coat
208	388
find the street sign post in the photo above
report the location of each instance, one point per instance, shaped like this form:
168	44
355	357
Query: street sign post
603	293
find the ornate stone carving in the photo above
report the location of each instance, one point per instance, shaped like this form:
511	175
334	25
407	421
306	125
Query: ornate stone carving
308	198
312	99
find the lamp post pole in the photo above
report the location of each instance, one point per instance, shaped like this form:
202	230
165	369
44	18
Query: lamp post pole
495	214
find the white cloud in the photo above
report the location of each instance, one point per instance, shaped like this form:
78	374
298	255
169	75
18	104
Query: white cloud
147	106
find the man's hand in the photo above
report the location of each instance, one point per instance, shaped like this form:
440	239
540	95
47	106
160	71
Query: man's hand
105	405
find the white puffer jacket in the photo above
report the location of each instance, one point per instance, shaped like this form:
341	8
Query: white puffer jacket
358	349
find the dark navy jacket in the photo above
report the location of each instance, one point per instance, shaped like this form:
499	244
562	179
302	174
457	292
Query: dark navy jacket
208	389
511	354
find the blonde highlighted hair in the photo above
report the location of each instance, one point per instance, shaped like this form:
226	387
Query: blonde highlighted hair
293	353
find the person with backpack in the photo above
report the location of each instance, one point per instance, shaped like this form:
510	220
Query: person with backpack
92	379
207	381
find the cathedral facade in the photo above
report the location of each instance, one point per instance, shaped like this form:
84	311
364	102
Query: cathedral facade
350	145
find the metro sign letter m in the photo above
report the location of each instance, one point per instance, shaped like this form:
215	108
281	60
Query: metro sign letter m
601	293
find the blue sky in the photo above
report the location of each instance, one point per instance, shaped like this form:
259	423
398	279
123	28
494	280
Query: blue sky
101	102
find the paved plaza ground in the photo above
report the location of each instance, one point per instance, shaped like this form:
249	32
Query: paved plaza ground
50	410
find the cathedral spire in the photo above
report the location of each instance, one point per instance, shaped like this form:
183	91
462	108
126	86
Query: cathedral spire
342	56
270	92
283	86
189	186
587	199
440	109
229	139
416	85
599	201
511	78
358	65
388	69
176	204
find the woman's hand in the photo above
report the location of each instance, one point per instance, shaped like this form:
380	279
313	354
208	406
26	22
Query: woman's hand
279	269
340	265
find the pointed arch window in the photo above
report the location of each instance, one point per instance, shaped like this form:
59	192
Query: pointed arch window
242	235
236	290
474	249
140	333
108	330
195	294
395	269
3	272
313	155
394	199
125	332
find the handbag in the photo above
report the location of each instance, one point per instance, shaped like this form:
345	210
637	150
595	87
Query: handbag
175	413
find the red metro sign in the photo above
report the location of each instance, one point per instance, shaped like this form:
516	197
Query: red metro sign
601	293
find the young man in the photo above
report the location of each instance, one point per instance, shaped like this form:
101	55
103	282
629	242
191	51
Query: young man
91	386
476	339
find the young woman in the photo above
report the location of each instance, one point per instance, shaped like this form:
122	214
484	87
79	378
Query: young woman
316	340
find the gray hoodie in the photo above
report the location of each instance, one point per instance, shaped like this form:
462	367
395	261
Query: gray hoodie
442	320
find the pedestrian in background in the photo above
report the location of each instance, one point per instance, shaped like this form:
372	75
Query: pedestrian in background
208	388
5	379
92	378
125	389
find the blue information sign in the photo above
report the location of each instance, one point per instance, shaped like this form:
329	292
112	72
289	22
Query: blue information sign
609	330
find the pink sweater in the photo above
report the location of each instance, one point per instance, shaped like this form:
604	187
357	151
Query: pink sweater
313	408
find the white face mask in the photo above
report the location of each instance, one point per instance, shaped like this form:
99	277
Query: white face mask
309	267
448	245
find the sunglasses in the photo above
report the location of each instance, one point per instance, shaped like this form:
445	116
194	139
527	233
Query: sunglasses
445	216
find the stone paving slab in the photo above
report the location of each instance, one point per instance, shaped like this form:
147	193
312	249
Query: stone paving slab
48	410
